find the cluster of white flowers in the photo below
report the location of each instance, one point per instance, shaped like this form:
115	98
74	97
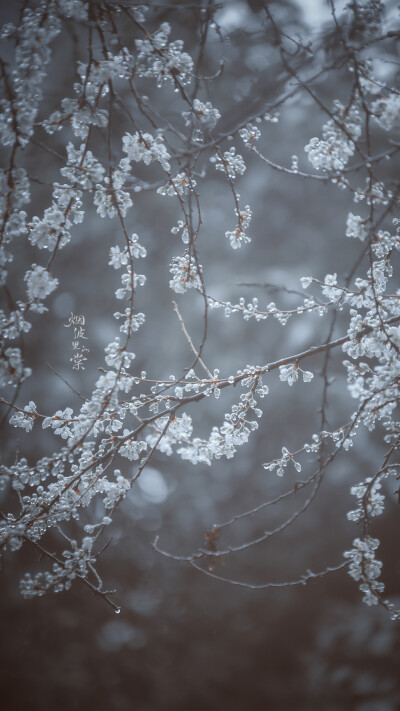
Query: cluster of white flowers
238	236
132	322
110	201
365	568
14	194
60	578
117	357
24	418
76	9
373	193
339	139
290	374
164	61
235	430
330	289
20	104
205	114
51	230
84	112
82	168
12	371
185	231
144	147
185	274
250	135
39	283
230	163
387	111
181	185
281	463
120	258
370	501
384	243
179	431
355	227
248	310
251	309
132	449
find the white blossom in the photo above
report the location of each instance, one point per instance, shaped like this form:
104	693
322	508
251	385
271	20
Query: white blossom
355	227
238	236
143	147
20	419
131	449
339	136
230	163
163	61
365	568
39	282
387	111
181	184
290	374
185	274
250	135
205	114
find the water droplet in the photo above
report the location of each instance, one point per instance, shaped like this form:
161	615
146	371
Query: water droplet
117	610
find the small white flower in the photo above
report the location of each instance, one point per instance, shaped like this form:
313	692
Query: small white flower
180	185
20	419
143	147
131	449
305	282
355	227
203	113
289	373
307	376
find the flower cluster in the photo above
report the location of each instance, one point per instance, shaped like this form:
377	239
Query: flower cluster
290	374
250	135
205	114
238	236
181	185
19	109
387	111
365	568
163	61
355	227
370	501
237	426
230	163
339	139
281	463
131	449
182	226
144	147
185	274
60	578
39	283
24	418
